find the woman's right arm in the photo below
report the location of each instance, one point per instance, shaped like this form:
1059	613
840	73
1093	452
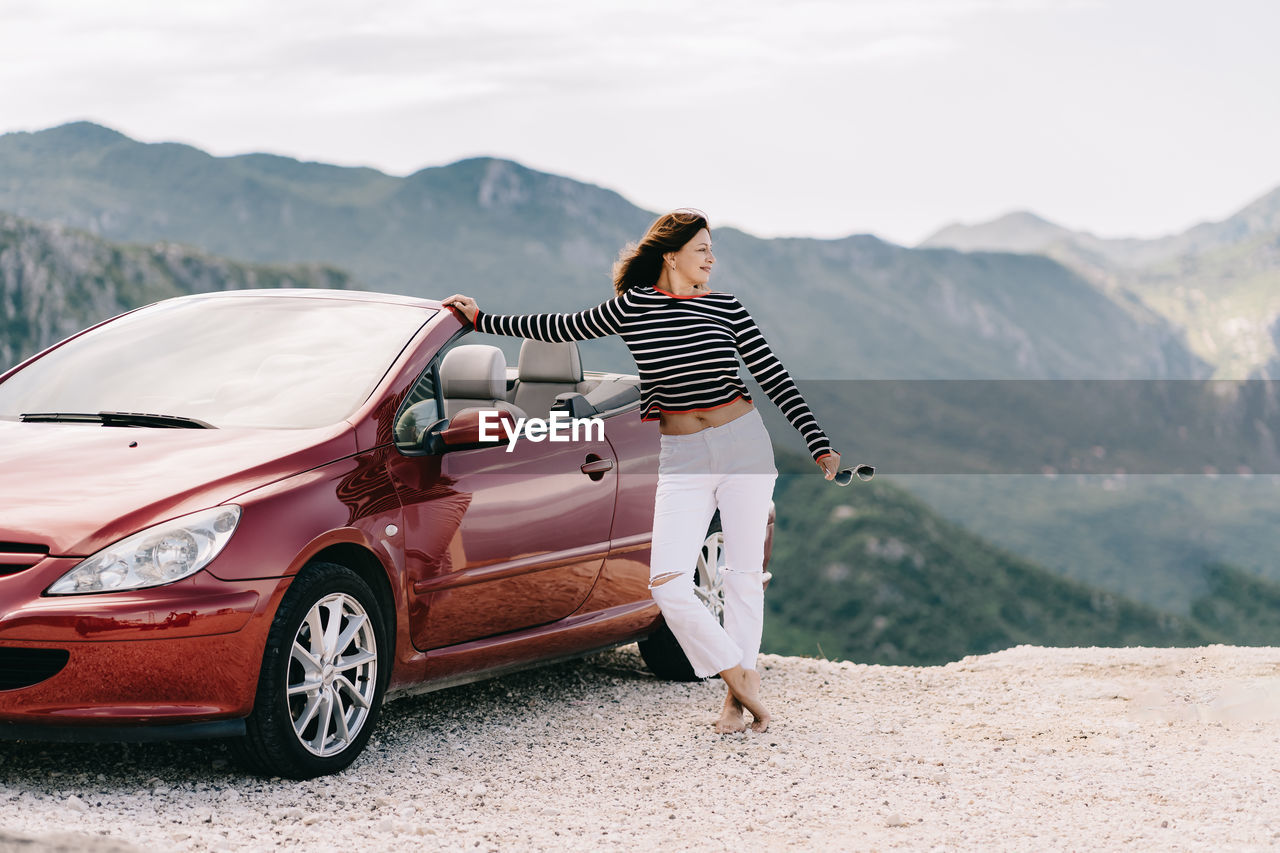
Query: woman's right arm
607	318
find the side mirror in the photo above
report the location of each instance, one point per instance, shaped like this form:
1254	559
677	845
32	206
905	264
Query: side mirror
474	427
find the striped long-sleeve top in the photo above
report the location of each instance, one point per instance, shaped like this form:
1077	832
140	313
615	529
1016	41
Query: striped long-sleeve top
685	349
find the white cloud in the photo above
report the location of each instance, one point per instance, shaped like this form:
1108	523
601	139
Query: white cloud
815	116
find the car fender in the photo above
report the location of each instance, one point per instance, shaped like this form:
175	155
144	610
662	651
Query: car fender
286	524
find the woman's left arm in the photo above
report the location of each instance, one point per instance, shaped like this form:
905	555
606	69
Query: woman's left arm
781	388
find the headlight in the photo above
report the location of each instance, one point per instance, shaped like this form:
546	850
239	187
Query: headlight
158	555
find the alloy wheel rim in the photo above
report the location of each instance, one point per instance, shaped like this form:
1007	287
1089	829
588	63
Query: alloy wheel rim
333	674
710	585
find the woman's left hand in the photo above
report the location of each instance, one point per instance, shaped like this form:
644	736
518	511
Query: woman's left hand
830	465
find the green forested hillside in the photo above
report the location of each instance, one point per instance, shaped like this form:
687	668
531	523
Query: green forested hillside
1145	537
1240	605
870	574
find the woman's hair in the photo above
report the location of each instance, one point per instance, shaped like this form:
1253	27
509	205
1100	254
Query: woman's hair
640	264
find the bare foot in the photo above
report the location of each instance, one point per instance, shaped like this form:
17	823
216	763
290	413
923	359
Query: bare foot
731	720
730	716
759	725
745	686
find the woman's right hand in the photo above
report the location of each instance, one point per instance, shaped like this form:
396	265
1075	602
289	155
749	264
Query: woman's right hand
465	304
830	464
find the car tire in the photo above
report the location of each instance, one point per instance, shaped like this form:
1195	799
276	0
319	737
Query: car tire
661	650
319	697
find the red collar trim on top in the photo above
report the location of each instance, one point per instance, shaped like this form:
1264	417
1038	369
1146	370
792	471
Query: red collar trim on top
679	296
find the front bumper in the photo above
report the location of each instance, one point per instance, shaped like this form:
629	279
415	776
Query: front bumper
164	658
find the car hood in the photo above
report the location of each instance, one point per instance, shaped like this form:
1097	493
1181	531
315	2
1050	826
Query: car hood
79	487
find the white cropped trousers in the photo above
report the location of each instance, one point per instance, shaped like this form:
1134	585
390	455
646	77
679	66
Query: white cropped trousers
730	466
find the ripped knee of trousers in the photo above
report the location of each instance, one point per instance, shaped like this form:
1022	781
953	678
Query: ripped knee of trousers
670	588
747	581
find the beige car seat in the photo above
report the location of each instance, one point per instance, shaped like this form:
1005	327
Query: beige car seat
475	375
545	370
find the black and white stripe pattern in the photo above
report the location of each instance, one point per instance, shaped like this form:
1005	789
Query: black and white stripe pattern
684	347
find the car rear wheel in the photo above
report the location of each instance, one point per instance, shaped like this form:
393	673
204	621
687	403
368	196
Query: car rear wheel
661	651
323	676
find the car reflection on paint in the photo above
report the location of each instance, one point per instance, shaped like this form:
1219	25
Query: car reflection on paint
260	514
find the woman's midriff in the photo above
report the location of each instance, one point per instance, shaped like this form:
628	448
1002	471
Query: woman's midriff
683	423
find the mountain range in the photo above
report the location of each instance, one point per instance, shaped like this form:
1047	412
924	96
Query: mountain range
1027	233
96	223
1219	282
520	240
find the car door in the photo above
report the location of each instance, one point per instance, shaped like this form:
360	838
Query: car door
497	541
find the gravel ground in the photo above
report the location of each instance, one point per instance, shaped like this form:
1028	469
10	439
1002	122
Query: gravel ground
1025	749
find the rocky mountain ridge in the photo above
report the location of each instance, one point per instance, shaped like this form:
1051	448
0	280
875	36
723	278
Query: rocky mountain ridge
55	281
522	241
1027	232
1218	281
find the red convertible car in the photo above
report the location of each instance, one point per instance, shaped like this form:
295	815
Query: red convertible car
259	514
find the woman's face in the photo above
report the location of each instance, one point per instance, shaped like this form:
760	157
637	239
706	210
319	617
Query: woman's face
694	260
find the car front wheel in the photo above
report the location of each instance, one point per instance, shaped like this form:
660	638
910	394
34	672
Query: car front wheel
323	676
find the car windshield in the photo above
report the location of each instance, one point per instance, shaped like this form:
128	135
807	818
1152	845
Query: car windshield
245	361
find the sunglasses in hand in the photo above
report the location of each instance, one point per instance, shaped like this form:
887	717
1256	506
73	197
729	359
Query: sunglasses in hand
845	477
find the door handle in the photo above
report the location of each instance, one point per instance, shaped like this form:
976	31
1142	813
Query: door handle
595	466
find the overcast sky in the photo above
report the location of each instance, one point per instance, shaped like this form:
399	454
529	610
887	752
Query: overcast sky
895	117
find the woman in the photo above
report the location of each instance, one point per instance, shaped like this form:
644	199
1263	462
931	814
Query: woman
715	450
